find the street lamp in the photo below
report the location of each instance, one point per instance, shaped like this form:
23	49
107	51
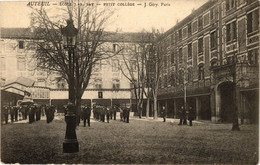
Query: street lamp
70	143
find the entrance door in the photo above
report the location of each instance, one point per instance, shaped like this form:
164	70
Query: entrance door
227	102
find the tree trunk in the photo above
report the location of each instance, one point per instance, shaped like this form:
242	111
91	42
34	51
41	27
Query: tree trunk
147	107
155	107
78	107
140	108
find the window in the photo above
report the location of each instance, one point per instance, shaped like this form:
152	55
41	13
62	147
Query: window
253	21
213	40
253	56
201	72
98	83
115	65
189	51
172	39
181	77
173	79
172	58
116	84
231	31
21	44
230	4
194	26
185	32
189	29
100	95
206	19
180	34
21	63
133	65
200	46
200	23
115	48
180	55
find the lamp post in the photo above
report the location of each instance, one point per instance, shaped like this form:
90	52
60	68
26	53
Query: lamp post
70	143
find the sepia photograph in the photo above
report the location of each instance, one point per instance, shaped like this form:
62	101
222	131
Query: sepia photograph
129	82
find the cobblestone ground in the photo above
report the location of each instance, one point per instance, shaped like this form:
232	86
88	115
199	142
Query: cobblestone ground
142	141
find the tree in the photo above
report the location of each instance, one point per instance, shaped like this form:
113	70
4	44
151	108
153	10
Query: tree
52	57
156	65
134	68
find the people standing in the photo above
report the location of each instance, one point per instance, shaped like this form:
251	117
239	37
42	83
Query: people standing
16	113
108	111
6	113
12	113
114	112
121	113
163	112
182	113
191	115
127	114
38	113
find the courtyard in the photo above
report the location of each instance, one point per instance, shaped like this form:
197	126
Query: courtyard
141	141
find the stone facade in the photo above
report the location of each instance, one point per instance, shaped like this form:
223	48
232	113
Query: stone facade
203	51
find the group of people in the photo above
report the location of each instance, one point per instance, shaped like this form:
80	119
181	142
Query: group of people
13	111
124	114
32	111
184	114
106	112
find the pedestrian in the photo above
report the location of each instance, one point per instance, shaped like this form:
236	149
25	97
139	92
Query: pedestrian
127	114
115	110
6	113
12	113
121	113
88	114
163	112
47	113
182	113
38	113
108	111
16	113
191	115
31	113
84	115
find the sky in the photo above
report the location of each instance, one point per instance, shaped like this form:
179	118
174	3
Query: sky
156	14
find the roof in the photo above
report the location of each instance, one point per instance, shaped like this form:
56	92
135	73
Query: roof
190	17
21	80
26	33
17	33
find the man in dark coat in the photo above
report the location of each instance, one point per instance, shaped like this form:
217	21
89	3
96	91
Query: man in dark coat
15	113
12	113
108	111
191	115
86	112
114	111
127	114
6	113
163	112
182	112
31	113
38	113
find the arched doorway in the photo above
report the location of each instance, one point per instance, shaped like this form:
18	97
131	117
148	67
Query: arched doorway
226	91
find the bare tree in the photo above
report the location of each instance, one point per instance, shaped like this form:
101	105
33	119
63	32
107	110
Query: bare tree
156	66
90	48
134	66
